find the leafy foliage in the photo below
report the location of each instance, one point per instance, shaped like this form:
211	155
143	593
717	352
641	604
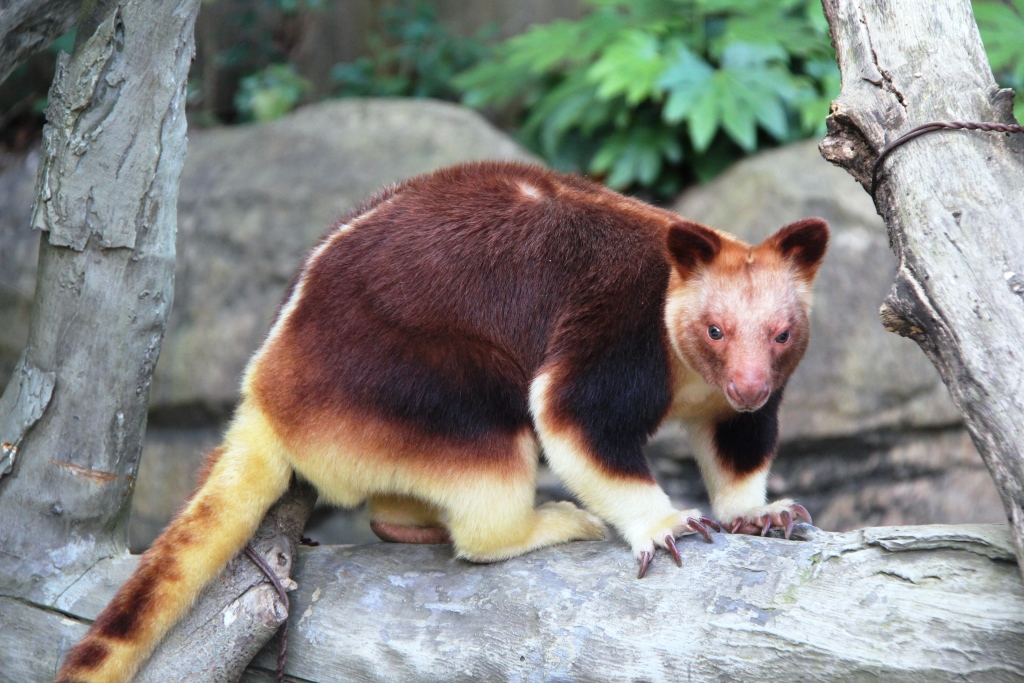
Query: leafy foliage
413	56
24	95
1001	24
270	94
650	93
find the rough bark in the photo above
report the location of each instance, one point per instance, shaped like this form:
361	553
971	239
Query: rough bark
27	26
230	622
910	604
107	191
953	202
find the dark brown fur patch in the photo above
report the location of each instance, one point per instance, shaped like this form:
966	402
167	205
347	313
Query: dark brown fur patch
132	604
746	442
180	536
804	243
138	598
434	314
205	511
692	245
87	655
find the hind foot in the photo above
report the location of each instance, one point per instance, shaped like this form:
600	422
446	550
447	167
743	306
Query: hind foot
550	524
404	519
395	533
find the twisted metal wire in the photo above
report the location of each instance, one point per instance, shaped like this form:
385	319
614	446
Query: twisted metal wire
934	126
282	656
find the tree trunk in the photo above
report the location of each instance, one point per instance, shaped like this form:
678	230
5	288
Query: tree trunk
28	26
73	416
954	205
107	192
925	604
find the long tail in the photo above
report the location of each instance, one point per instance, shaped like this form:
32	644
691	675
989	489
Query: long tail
244	478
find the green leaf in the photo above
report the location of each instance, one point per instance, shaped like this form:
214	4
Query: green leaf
1002	32
684	80
570	105
738	118
630	67
778	29
771	115
544	47
271	93
741	55
635	155
705	115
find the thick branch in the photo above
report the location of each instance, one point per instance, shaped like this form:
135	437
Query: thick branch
28	26
230	622
953	202
835	607
237	615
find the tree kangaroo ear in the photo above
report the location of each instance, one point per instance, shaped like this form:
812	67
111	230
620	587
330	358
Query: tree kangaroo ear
692	245
803	244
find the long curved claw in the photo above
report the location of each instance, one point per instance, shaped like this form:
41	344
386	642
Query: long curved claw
645	562
787	520
696	525
670	543
712	523
736	526
801	511
766	525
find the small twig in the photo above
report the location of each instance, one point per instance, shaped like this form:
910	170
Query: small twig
933	126
282	656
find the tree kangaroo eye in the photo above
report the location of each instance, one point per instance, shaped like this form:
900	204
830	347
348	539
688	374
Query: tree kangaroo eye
715	332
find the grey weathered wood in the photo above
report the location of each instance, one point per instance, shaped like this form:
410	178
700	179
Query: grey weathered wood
27	26
241	611
954	205
232	619
23	402
862	605
107	192
910	604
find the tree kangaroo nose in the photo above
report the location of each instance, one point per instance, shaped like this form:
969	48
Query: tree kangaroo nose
748	394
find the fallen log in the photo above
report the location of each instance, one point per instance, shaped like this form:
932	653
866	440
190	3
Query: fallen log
924	603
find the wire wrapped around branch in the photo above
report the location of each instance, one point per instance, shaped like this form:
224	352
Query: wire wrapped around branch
934	126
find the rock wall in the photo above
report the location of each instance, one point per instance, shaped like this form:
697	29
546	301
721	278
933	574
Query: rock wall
869	433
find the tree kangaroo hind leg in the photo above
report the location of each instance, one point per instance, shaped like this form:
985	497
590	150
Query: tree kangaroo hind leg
404	519
491	515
